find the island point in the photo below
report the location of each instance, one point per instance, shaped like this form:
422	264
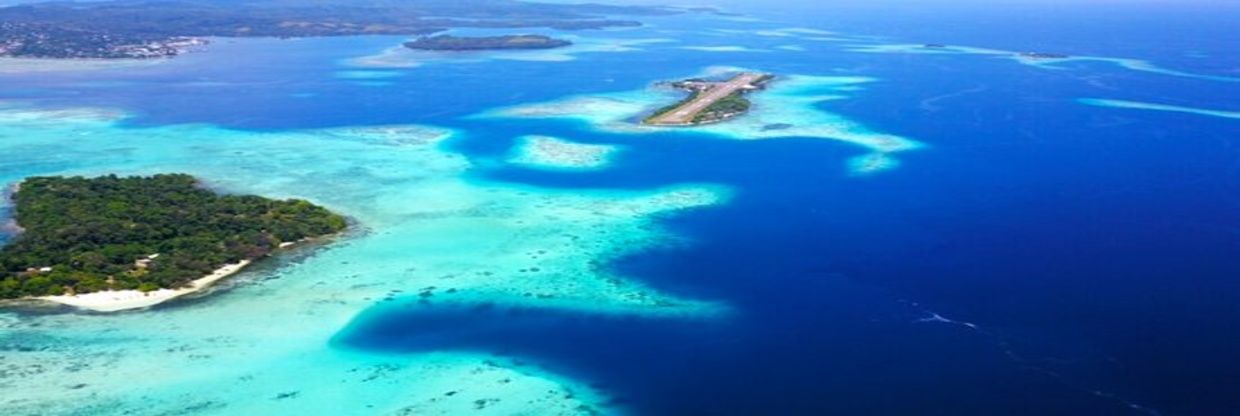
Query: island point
710	101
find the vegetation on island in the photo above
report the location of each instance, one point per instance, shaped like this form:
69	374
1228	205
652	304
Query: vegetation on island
143	29
693	96
18	40
732	105
83	235
458	43
727	107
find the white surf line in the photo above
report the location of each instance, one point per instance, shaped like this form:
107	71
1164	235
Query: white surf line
1004	346
934	317
1137	105
929	103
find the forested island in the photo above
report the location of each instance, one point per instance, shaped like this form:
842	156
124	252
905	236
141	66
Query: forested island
710	101
144	29
81	235
456	43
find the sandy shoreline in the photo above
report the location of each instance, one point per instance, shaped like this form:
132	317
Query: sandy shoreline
119	300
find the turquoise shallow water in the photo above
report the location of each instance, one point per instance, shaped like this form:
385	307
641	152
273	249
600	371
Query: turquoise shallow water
890	231
421	229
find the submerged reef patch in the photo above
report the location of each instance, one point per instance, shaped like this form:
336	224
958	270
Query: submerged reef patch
10	65
544	152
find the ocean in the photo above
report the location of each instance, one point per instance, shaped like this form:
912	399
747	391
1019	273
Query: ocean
895	230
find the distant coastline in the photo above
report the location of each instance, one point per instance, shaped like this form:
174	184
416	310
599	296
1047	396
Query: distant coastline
458	43
141	31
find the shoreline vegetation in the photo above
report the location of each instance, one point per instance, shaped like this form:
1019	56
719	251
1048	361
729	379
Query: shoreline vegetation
710	101
113	243
510	42
147	30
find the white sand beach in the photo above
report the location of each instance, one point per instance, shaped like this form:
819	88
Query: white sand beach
119	300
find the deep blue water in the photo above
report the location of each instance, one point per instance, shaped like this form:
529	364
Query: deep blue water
1086	257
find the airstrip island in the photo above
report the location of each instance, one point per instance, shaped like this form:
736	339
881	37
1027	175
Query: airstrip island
710	101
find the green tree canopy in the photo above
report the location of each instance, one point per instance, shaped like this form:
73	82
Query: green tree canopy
91	234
